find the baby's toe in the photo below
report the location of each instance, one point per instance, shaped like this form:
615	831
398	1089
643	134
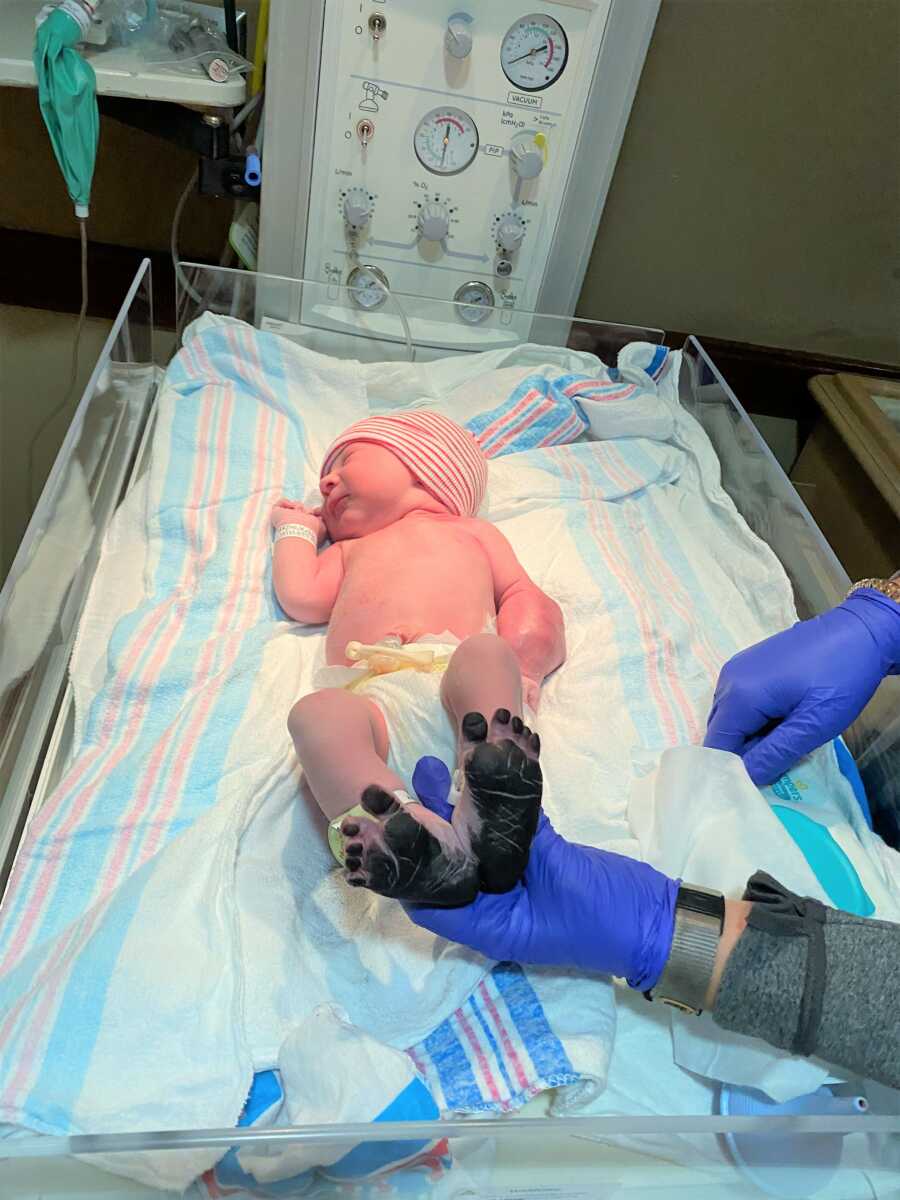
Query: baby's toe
508	728
474	727
503	725
378	802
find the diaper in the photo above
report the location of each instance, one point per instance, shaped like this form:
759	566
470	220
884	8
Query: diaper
408	696
406	686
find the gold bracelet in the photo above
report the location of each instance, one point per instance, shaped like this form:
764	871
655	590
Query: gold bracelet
890	587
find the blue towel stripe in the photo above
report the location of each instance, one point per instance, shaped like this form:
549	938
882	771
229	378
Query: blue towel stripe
452	1066
545	1058
562	422
544	1047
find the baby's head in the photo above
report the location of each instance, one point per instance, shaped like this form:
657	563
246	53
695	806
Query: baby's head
383	468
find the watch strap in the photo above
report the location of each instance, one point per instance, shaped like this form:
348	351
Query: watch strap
888	587
699	920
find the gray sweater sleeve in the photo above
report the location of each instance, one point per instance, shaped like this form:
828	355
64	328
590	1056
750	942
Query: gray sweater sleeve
815	980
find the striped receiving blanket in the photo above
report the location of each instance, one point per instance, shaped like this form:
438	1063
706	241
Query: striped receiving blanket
173	914
553	410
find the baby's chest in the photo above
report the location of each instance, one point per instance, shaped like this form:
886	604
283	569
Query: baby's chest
437	551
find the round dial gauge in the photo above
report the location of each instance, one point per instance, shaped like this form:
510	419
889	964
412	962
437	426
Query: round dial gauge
368	287
474	302
446	140
534	51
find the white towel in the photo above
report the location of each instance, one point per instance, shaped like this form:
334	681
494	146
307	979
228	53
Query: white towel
698	817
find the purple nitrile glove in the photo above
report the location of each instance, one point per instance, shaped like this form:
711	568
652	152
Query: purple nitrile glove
813	679
576	906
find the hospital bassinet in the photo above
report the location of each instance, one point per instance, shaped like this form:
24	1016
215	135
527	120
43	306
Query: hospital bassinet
104	457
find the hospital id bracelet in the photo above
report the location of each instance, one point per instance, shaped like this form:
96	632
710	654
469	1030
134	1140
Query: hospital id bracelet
699	921
890	587
297	531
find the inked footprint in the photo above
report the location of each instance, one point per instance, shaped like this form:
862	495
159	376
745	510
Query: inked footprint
497	813
408	853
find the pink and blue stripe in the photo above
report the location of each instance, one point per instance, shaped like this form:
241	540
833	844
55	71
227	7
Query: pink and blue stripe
181	670
496	1051
538	413
545	411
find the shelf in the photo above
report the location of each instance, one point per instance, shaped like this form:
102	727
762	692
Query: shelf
120	71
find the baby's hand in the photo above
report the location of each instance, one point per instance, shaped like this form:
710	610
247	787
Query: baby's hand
292	512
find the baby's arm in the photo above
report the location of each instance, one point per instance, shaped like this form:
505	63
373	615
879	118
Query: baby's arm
527	618
306	582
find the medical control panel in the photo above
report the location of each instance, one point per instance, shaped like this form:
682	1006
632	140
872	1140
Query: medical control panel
444	140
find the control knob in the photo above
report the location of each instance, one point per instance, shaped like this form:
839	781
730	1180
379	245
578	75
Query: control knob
527	154
357	208
510	232
458	38
433	221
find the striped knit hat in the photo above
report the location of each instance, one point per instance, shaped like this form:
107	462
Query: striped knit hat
444	457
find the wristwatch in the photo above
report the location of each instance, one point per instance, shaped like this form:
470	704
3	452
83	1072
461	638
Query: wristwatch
699	921
890	587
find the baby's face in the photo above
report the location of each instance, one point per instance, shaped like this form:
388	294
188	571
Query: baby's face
367	488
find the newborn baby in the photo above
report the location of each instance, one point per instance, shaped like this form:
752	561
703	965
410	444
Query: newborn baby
408	559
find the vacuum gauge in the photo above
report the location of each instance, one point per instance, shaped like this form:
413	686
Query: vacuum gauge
534	52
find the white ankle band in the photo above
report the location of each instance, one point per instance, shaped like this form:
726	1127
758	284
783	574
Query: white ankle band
336	838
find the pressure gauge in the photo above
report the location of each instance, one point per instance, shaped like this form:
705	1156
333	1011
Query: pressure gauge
446	141
533	52
368	287
474	301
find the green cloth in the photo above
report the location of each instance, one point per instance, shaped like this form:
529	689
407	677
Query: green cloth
67	90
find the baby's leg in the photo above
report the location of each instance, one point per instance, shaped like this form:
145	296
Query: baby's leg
342	743
498	811
403	851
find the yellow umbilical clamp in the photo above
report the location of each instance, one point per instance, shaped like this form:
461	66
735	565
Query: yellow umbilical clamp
382	659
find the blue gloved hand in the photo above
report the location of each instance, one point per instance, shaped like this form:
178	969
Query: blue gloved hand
810	681
576	906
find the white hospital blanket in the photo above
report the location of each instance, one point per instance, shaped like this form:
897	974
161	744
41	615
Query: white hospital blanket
175	902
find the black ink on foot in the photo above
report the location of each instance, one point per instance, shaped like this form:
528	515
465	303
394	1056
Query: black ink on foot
407	853
475	727
498	811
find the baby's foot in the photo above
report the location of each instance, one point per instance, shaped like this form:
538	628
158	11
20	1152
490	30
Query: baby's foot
497	813
407	852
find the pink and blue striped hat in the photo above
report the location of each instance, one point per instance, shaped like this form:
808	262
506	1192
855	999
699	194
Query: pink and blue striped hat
445	458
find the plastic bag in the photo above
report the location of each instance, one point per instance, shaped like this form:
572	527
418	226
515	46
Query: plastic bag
190	44
130	20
